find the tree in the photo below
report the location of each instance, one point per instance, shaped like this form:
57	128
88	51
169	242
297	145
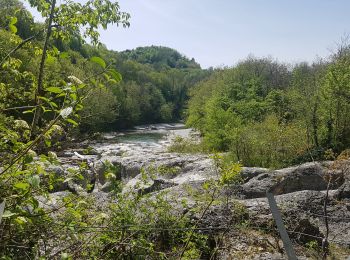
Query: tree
22	179
305	96
12	13
67	19
336	95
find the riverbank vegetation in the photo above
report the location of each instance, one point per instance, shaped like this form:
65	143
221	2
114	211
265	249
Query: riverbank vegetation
267	113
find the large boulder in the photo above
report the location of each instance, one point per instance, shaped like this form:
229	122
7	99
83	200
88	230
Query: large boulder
303	212
165	171
308	176
340	174
248	173
343	192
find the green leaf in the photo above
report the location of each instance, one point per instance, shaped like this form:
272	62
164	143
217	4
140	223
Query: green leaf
64	55
28	111
82	202
113	81
45	99
8	214
206	185
110	175
13	20
68	179
50	59
35	203
93	81
55	51
40	170
53	104
21	220
103	215
55	90
73	96
79	107
115	75
13	28
27	158
99	61
21	185
47	143
107	77
34	181
71	121
45	109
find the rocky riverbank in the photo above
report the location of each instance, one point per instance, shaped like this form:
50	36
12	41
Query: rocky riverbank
300	190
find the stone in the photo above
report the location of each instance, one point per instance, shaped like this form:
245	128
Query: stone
343	192
158	184
248	173
107	187
304	210
308	176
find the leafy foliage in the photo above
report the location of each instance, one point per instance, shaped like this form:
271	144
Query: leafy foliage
267	114
160	57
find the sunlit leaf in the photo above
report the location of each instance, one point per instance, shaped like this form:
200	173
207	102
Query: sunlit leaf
53	104
28	111
13	20
50	59
115	75
21	185
55	90
45	99
64	55
99	61
21	220
13	28
73	96
69	120
8	214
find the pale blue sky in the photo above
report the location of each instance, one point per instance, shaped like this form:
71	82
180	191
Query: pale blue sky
223	32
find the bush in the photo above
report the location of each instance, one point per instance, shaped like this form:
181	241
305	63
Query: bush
185	145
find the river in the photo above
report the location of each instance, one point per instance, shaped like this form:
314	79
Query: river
153	138
136	149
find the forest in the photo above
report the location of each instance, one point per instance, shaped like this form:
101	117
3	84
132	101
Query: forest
270	114
150	84
61	88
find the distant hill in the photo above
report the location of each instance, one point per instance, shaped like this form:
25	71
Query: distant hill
160	57
154	86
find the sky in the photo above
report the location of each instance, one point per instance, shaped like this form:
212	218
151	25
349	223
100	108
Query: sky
223	32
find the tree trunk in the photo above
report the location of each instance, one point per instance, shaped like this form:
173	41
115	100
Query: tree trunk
40	89
314	124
